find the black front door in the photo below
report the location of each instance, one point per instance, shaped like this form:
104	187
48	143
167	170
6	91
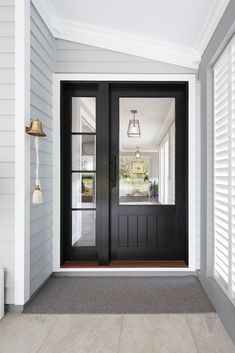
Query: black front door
149	172
123	171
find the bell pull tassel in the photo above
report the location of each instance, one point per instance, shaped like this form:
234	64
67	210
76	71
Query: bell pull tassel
37	194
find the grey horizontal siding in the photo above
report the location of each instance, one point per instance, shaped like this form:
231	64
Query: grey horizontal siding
7	13
42	66
7	143
79	58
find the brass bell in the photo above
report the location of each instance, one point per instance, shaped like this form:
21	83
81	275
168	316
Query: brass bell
35	128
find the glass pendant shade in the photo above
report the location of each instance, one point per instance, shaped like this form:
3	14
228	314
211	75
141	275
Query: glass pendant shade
137	153
133	126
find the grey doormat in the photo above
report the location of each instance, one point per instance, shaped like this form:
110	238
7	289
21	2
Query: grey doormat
120	295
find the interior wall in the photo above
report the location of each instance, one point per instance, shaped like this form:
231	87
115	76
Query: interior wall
224	31
42	66
7	143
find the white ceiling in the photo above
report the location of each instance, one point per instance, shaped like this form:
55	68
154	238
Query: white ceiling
173	31
152	114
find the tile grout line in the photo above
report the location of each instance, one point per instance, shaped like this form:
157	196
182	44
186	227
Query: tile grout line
49	331
191	331
120	334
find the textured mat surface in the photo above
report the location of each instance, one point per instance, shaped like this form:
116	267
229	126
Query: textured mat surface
117	295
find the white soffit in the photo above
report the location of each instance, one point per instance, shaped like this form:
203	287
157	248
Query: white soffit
171	31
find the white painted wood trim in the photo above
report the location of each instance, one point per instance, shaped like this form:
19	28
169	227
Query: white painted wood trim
22	151
191	79
212	21
128	44
135	272
1	293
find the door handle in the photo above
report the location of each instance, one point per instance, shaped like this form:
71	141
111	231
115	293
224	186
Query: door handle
113	171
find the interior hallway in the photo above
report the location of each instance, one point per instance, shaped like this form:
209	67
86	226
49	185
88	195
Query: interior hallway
161	333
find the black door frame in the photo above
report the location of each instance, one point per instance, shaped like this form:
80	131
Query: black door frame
171	219
101	90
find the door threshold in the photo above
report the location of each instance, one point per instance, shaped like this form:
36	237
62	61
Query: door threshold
127	264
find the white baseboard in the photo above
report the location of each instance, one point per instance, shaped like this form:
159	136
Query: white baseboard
122	272
1	293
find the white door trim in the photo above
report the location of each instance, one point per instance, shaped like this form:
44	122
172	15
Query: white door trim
191	79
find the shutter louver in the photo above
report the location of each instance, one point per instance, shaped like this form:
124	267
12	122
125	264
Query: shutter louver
224	170
233	170
221	168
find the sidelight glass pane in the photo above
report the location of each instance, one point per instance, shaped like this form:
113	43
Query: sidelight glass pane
147	160
83	190
83	152
83	228
83	171
84	114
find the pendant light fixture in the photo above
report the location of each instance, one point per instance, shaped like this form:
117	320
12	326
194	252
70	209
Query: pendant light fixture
137	153
133	126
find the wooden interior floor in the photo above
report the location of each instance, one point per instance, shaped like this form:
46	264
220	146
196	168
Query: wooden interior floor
125	264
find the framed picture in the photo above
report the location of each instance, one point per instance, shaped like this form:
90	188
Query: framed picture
138	167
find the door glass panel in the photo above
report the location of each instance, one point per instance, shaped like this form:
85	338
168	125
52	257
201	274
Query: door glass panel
83	114
83	152
147	151
83	190
83	225
83	174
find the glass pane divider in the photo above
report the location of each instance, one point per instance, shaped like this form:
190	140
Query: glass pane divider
83	133
83	209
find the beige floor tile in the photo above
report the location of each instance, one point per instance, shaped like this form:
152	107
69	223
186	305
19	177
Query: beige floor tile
84	334
24	333
209	334
163	333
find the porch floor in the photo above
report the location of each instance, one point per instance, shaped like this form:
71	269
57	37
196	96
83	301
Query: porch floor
157	333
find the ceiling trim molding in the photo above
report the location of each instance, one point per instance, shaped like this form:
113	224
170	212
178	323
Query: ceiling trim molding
212	21
48	14
129	44
134	45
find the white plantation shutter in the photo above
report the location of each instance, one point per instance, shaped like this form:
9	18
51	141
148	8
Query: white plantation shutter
224	170
233	168
221	168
